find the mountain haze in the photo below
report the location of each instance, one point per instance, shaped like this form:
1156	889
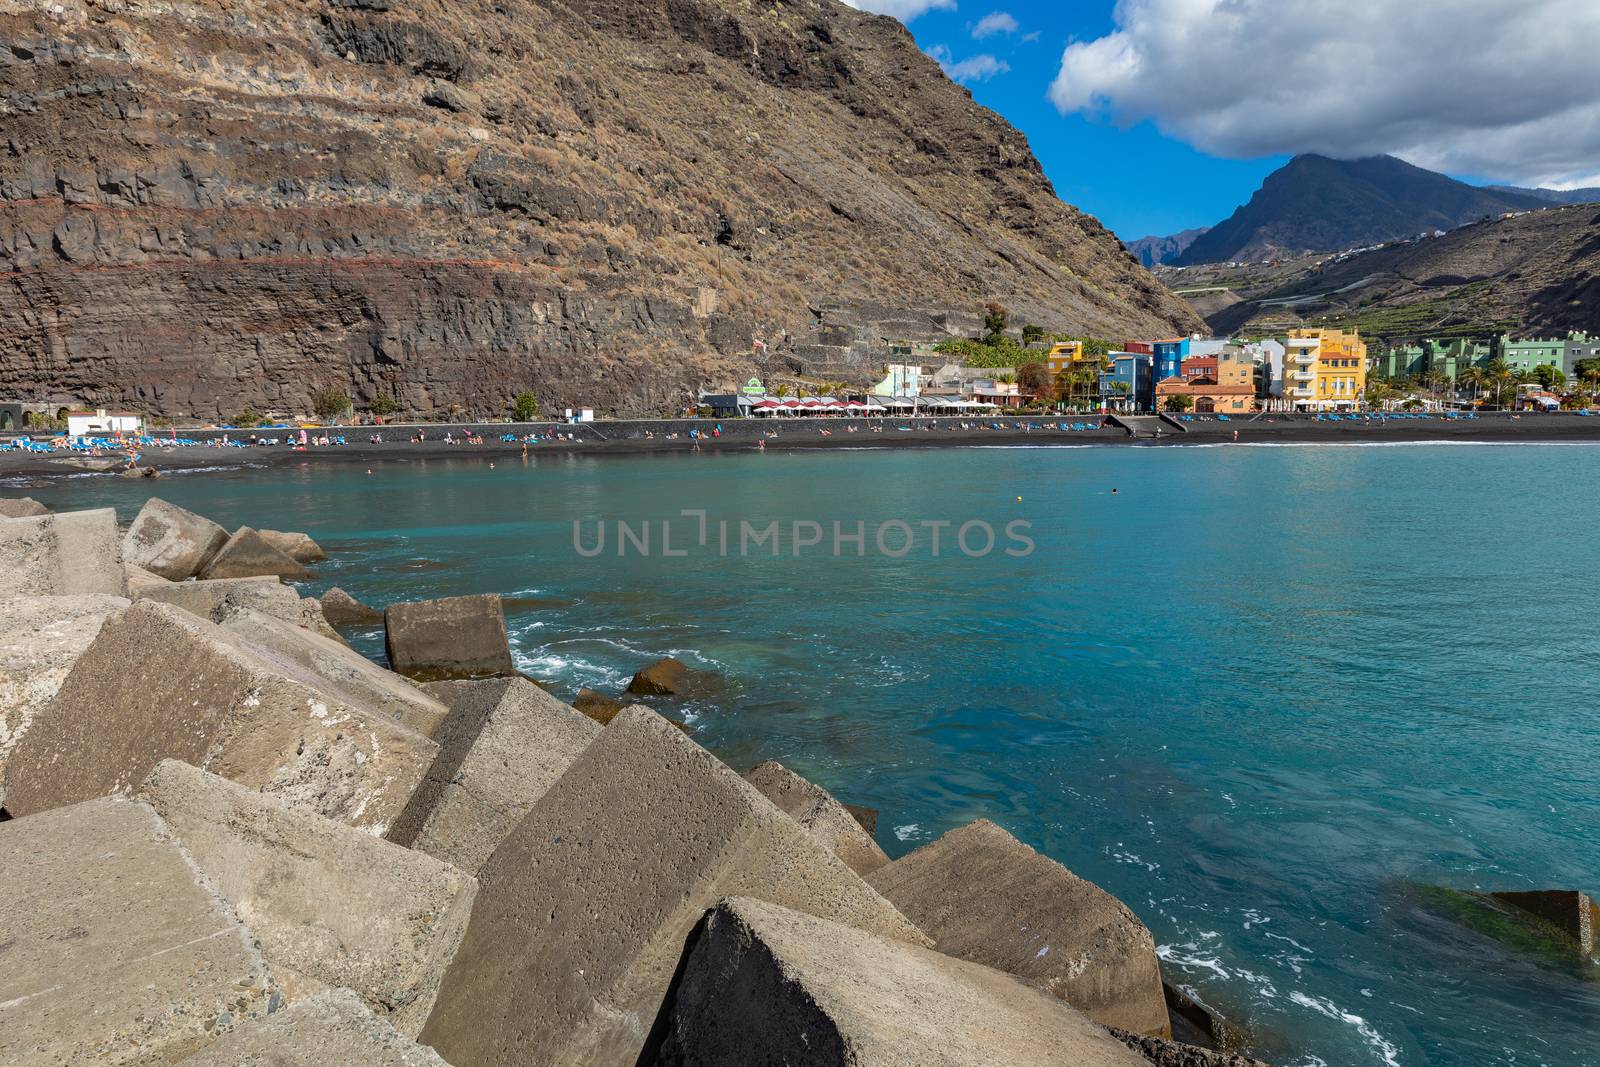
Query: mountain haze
232	203
1154	251
1317	204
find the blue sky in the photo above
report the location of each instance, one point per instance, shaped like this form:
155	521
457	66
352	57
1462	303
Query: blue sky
1135	180
1161	115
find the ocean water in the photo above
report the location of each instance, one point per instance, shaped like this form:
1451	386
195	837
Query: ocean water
1254	692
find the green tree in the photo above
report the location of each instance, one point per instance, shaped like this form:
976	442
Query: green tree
330	402
384	406
247	418
994	322
1032	334
525	407
1549	376
780	390
1179	402
1588	372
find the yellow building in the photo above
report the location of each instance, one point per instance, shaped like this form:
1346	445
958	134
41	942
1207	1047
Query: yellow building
1063	356
1324	370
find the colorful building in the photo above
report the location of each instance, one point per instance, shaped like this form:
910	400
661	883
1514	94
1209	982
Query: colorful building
1527	354
1063	356
1224	383
1128	382
1580	346
1325	370
1170	355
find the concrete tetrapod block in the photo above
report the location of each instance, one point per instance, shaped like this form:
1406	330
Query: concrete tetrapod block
583	910
1574	913
264	593
457	637
138	578
814	808
984	896
332	1029
21	507
329	905
62	554
342	609
765	984
159	683
297	546
505	743
247	554
171	541
114	948
41	637
339	665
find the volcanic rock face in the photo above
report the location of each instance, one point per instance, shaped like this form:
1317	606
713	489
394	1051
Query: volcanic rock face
217	204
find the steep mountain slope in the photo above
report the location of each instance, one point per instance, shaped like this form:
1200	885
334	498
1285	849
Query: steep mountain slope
208	204
1153	251
1537	273
1316	204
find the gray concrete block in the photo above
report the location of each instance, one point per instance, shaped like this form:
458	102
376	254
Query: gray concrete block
114	947
330	906
138	578
62	554
41	637
457	637
297	546
814	808
332	1029
342	609
171	541
504	744
765	984
984	896
583	910
247	554
160	683
21	507
263	593
341	667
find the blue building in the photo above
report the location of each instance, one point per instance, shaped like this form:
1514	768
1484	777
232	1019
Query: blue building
1129	385
1170	355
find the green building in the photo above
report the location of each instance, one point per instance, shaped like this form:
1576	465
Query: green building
1531	353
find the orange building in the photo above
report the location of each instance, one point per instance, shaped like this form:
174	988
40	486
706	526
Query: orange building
1224	383
1325	370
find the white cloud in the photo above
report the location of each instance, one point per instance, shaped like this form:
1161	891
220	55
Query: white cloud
979	68
1504	89
904	10
995	23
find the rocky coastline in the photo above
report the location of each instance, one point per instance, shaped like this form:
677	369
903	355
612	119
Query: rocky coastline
226	835
274	842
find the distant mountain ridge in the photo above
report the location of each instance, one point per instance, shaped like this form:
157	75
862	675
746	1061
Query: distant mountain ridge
1590	195
1317	204
1154	251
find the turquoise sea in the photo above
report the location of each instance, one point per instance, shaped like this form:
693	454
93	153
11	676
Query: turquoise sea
1253	692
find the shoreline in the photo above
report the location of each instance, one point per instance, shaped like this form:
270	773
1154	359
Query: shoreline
744	436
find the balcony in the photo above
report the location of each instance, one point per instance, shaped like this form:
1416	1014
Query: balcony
1304	356
1302	392
1304	376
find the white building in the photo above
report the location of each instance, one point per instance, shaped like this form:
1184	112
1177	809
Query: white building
101	423
904	379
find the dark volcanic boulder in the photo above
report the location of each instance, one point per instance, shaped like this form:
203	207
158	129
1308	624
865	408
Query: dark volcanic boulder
599	707
247	555
457	637
1164	1053
342	609
670	677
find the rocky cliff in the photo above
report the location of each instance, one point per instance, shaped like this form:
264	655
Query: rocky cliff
212	204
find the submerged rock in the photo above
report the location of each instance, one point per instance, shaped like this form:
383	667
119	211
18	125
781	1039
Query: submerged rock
599	707
1554	928
21	507
669	677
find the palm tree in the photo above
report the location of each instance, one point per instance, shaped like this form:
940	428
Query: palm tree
1500	376
1476	377
780	390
